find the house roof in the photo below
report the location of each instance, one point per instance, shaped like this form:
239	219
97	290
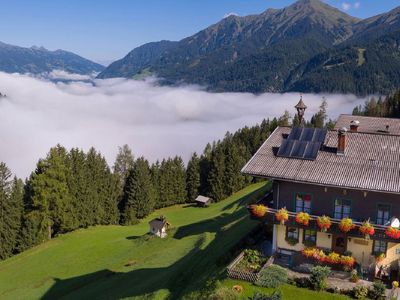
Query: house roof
370	124
202	199
371	162
158	223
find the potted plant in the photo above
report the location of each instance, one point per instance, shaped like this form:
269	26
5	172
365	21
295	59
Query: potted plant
324	223
347	261
303	218
282	215
379	257
393	233
346	224
367	229
259	211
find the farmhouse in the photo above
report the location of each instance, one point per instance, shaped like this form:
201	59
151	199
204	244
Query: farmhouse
351	172
203	201
159	226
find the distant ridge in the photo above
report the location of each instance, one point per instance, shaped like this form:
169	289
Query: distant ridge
278	50
36	60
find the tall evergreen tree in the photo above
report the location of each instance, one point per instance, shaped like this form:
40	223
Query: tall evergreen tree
11	205
50	193
216	175
139	193
193	177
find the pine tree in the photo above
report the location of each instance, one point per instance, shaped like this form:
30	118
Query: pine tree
11	194
139	193
193	177
216	175
50	193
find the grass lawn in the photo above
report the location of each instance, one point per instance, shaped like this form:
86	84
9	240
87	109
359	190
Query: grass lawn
112	262
289	292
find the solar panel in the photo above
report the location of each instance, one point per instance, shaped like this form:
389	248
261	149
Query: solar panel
302	143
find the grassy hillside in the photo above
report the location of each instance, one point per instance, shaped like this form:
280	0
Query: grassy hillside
111	262
114	262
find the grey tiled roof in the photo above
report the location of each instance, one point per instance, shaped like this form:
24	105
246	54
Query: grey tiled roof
371	162
370	124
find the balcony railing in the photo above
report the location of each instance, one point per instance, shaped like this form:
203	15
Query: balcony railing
379	229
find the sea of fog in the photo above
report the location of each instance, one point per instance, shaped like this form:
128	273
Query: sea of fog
154	121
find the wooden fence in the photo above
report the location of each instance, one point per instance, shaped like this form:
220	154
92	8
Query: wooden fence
243	275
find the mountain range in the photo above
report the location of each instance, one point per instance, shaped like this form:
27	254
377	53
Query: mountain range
37	60
308	46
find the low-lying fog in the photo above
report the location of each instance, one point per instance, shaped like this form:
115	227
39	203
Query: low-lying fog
154	121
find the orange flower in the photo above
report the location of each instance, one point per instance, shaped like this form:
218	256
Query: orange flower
346	224
324	223
259	211
282	215
303	218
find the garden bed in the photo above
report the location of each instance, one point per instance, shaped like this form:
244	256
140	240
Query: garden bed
248	265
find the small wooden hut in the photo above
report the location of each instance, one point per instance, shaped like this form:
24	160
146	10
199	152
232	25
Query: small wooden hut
159	226
203	201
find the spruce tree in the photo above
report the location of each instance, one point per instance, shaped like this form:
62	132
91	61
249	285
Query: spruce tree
139	193
216	175
50	193
193	177
11	197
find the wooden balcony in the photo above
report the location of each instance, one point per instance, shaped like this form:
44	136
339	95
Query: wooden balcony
379	229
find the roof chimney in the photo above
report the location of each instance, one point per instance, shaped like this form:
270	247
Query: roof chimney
354	126
342	141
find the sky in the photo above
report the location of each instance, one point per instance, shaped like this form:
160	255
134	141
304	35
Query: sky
105	30
156	122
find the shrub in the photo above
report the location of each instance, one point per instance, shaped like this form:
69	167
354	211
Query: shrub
274	296
272	276
303	282
224	293
318	277
377	292
354	276
360	292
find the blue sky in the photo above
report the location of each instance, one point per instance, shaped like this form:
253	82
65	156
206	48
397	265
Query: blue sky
104	30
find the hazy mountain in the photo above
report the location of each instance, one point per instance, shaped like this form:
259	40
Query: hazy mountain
37	60
278	50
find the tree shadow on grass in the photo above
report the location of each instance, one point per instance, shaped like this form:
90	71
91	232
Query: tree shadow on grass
186	275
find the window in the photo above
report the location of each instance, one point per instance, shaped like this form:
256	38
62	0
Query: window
380	247
310	237
303	202
342	208
383	214
292	233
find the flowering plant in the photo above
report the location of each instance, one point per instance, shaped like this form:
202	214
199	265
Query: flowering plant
392	232
333	258
347	261
346	224
380	257
282	215
395	284
367	229
303	218
259	211
324	223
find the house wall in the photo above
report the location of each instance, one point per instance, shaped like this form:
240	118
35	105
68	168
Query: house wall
361	250
363	206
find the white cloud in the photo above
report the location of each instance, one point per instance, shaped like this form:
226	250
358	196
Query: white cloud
231	14
357	5
155	121
346	6
63	75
